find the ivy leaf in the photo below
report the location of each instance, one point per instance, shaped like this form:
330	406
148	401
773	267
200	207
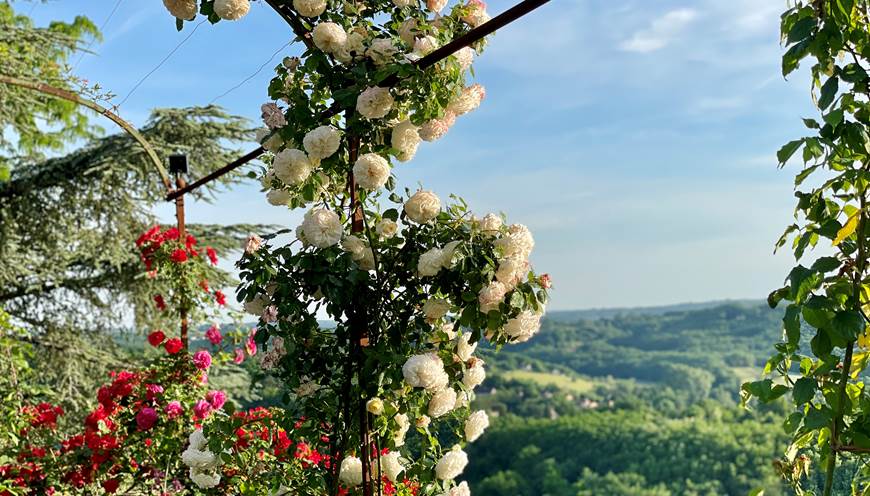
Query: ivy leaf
847	230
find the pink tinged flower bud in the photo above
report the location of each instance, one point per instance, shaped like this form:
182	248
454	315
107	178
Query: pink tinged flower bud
202	359
146	418
173	409
216	399
202	409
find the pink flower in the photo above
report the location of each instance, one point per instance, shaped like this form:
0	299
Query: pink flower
270	314
202	359
173	409
239	356
213	334
253	244
146	418
152	390
250	344
202	409
216	399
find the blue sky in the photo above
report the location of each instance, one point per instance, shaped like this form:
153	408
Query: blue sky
636	139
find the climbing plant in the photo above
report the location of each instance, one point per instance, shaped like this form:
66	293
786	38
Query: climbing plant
820	363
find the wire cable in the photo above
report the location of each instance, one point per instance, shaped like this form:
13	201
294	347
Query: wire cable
252	76
168	55
102	30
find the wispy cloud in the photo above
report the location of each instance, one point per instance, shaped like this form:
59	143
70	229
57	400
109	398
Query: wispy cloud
660	32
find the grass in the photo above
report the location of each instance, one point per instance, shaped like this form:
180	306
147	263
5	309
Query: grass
564	382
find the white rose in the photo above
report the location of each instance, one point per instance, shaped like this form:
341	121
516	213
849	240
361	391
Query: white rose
436	128
253	243
329	37
451	465
353	245
386	228
232	10
447	253
464	349
523	327
517	243
442	402
403	426
278	197
272	115
321	142
462	400
204	480
366	259
511	271
477	14
425	371
467	100
430	263
425	45
351	471
181	9
382	51
271	142
422	207
475	425
491	296
292	166
436	5
374	102
405	139
391	465
198	459
375	406
435	308
464	57
475	374
322	228
309	8
460	490
423	421
371	171
491	224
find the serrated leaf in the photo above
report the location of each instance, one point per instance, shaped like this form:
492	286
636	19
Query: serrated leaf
804	390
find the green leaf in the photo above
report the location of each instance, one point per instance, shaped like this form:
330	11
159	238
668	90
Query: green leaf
792	325
794	55
826	264
801	30
764	390
804	390
786	152
802	282
847	325
829	92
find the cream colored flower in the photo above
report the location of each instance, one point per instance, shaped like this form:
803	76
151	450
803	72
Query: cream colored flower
491	296
422	207
475	425
329	37
386	228
425	371
181	9
322	228
382	51
467	100
464	348
430	263
292	166
402	426
523	327
391	466
435	308
321	142
405	139
232	10
375	406
475	374
371	171
278	197
442	402
309	8
451	465
374	102
351	471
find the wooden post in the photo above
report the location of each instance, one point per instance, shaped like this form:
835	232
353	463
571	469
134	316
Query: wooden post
182	235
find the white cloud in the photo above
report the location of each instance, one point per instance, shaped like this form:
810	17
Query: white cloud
660	32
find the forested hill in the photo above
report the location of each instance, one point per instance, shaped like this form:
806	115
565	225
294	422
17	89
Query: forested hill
633	403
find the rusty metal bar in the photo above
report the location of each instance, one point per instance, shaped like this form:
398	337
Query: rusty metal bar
445	51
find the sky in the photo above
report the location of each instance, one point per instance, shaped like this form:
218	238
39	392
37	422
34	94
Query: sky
635	138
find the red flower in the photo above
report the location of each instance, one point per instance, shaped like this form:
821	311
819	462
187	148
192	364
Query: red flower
147	235
179	256
173	346
190	242
111	485
146	418
160	302
204	285
156	337
171	233
212	255
220	297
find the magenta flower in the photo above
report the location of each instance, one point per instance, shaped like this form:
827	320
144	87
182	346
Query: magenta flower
152	390
216	399
202	409
173	409
239	356
202	359
146	418
213	334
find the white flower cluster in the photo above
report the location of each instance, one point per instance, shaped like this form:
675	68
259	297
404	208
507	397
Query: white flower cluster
431	262
350	471
371	171
425	371
422	207
405	139
451	465
320	228
374	102
201	462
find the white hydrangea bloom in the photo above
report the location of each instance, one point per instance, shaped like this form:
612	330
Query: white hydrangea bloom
491	296
523	327
232	10
374	102
475	425
386	228
329	37
292	166
422	207
430	263
181	9
403	425
464	348
350	472
322	228
435	308
391	465
405	139
204	480
309	8
382	51
464	57
278	197
475	374
451	465
371	171
467	100
321	142
442	402
425	371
